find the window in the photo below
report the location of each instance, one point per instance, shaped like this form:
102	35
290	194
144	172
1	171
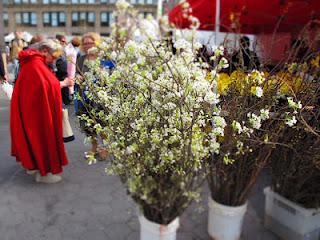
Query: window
143	2
5	19
54	19
83	19
33	19
5	2
83	1
146	14
23	1
53	1
26	19
107	1
106	19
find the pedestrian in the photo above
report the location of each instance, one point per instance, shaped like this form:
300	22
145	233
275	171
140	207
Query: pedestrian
61	70
16	45
36	114
244	58
3	76
88	44
72	53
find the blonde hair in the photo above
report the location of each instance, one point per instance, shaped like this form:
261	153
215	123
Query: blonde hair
93	36
76	41
53	46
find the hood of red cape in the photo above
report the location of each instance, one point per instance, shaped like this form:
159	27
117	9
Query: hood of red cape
36	116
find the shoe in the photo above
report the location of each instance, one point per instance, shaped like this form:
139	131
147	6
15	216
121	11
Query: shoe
49	178
31	172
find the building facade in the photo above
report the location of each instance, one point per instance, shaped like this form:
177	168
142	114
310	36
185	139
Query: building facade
71	17
170	4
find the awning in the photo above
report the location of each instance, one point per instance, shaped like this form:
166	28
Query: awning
251	16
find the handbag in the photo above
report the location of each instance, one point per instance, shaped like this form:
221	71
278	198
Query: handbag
8	89
66	127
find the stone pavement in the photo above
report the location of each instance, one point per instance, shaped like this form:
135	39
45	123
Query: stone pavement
88	204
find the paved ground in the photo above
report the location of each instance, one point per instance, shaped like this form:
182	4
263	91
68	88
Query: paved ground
88	204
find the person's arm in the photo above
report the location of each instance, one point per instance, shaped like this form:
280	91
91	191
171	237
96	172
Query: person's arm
66	82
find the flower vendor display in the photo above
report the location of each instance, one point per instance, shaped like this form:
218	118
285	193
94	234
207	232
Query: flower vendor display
152	111
244	133
293	200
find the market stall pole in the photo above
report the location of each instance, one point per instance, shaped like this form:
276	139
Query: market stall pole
159	9
217	25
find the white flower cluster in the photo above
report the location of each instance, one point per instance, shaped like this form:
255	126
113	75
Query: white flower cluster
290	120
254	120
258	77
292	104
219	123
183	44
236	126
154	108
258	92
122	5
218	51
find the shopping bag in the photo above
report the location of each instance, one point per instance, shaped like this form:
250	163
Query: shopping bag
66	127
8	89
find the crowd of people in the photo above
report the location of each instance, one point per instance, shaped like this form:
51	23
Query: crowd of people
44	75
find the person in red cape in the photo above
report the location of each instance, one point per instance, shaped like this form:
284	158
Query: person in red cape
36	113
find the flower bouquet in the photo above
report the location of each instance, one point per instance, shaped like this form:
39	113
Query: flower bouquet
245	133
296	165
152	113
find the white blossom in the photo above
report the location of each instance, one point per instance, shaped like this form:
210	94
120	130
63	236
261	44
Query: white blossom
182	44
236	126
258	92
264	114
291	121
122	4
224	63
215	146
212	98
292	104
219	121
254	120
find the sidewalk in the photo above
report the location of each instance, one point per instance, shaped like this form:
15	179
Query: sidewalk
88	204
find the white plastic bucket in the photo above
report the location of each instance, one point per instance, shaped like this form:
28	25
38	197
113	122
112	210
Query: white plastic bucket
154	231
225	222
290	220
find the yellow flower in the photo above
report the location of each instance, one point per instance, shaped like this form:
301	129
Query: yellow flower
224	81
289	82
240	80
316	62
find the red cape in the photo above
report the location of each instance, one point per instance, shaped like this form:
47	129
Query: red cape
36	116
